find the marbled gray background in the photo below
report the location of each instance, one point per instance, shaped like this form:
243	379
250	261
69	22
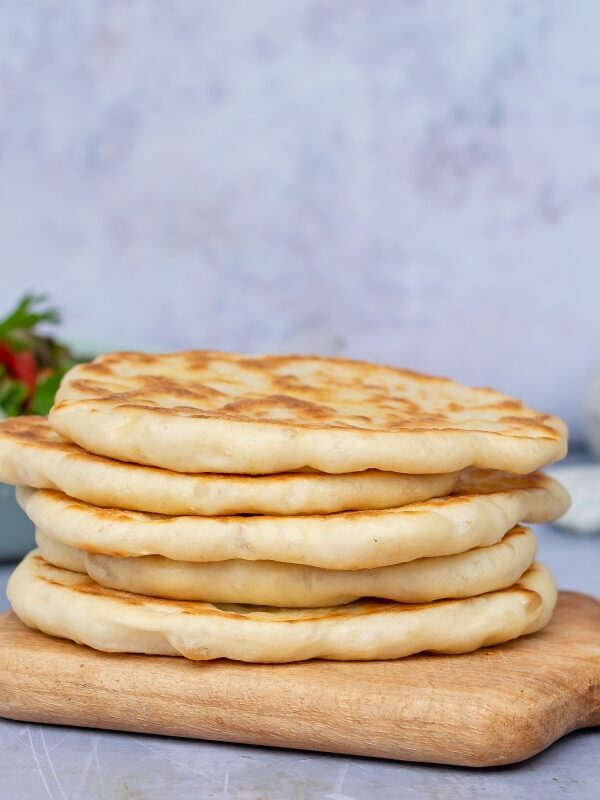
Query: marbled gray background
416	182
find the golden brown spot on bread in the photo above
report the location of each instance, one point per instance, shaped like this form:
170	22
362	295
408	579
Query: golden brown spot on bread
163	385
197	359
288	381
129	355
99	389
98	368
507	404
264	405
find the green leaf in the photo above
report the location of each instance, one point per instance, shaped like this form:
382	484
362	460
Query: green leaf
25	315
13	394
45	391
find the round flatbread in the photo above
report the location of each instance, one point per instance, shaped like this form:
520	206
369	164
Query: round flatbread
219	412
32	454
71	605
271	583
485	507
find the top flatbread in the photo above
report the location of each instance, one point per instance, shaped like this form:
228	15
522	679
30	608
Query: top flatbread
204	411
32	454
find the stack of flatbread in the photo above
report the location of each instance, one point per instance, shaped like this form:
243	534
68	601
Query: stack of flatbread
273	509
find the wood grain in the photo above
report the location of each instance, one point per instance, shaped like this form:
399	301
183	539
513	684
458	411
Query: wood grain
496	706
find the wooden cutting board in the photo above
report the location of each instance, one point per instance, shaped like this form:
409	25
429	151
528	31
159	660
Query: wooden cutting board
496	706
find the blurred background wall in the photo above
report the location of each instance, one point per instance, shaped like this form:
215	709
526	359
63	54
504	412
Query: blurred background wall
414	182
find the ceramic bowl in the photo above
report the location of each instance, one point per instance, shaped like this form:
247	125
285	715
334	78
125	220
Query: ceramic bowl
16	530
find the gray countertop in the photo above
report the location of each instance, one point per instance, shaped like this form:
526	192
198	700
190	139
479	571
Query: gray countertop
39	761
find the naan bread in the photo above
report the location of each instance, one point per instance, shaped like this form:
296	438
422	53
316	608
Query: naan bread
67	604
271	583
32	454
219	412
485	507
